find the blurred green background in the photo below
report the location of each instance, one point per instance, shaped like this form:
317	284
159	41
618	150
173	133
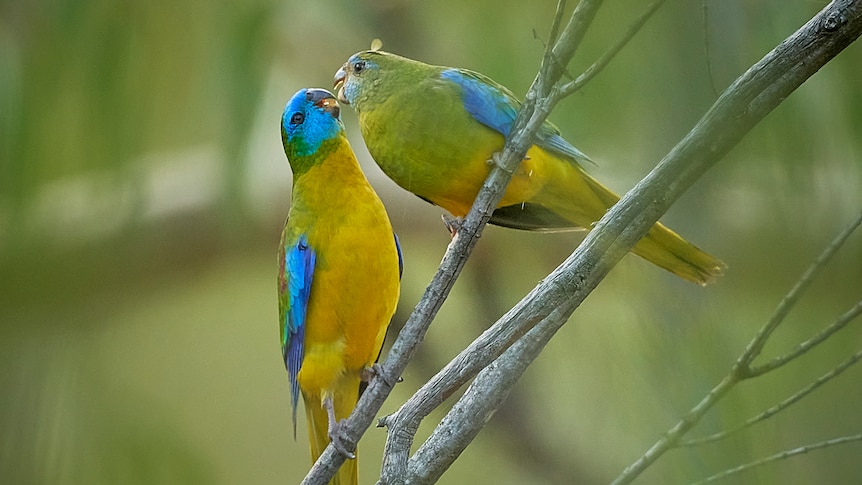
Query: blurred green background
143	188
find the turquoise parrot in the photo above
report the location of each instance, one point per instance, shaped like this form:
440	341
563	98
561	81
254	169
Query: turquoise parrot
339	271
433	129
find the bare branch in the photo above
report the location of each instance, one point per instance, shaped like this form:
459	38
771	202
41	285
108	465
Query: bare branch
756	345
555	62
809	344
555	29
573	86
673	435
784	454
484	396
778	407
740	371
706	49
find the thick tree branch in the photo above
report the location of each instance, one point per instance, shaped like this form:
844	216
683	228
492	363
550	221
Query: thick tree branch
484	396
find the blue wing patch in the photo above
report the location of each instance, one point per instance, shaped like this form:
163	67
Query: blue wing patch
496	107
299	266
483	101
557	144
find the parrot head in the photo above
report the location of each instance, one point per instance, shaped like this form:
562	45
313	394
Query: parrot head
310	118
360	70
368	76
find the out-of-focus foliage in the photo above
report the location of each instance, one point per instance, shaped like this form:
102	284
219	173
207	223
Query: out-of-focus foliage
142	189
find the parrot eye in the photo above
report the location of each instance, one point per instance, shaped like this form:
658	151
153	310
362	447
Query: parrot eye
358	66
297	118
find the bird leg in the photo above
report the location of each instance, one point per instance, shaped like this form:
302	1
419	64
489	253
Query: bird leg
377	370
453	224
336	429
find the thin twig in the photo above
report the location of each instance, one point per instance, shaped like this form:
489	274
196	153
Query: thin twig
554	35
674	434
707	52
756	345
740	371
778	407
555	62
809	344
782	455
573	86
548	55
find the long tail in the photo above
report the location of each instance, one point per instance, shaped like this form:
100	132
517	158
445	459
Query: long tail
665	248
582	200
318	429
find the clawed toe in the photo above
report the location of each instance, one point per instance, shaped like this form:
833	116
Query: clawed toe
377	370
336	431
453	224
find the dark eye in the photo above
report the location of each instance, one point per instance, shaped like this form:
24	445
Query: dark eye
297	118
358	66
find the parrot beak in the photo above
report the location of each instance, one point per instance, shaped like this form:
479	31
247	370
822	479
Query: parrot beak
325	100
340	78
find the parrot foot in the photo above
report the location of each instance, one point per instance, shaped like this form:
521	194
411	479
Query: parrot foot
494	160
453	224
377	370
336	430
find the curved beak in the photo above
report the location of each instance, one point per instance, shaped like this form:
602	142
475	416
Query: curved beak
338	84
325	100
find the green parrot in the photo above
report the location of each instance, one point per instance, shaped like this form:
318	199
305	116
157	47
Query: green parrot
433	130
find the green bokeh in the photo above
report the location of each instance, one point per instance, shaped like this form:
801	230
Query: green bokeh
143	188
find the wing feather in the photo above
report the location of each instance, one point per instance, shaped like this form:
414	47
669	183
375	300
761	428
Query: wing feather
296	272
496	107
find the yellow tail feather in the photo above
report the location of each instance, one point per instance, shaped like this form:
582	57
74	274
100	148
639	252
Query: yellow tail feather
318	430
665	248
582	200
